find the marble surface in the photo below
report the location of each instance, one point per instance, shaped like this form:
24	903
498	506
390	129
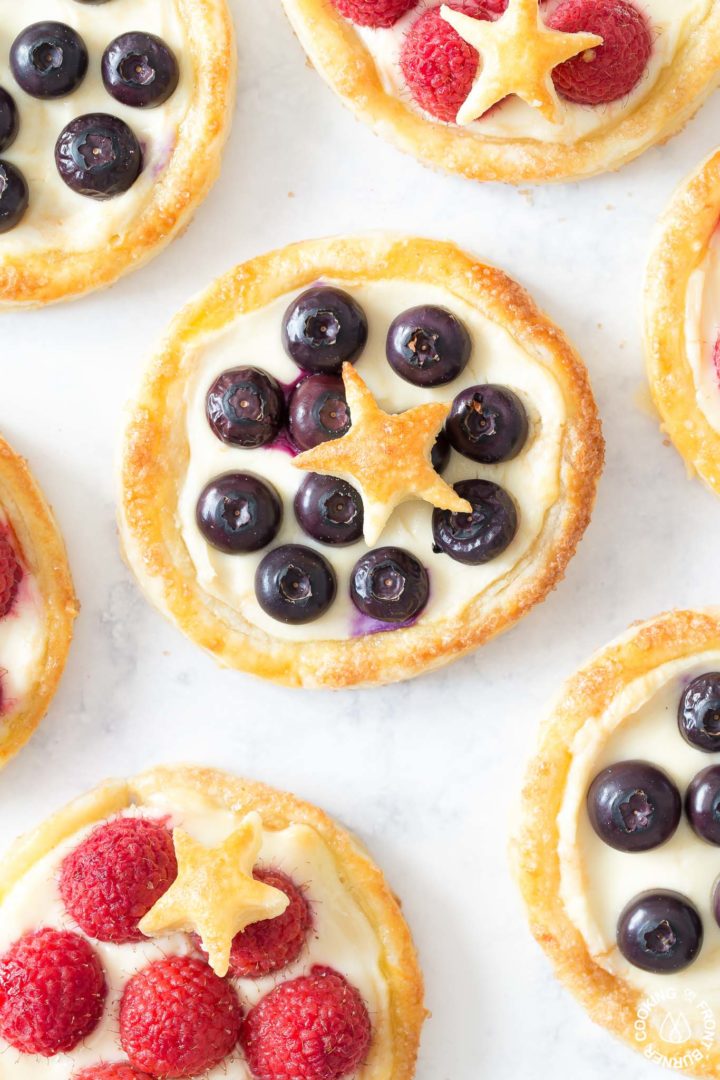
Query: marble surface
425	772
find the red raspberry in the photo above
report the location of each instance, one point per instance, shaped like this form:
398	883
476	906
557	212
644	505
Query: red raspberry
10	576
113	878
599	76
716	361
177	1018
438	66
271	944
312	1028
375	13
117	1071
52	992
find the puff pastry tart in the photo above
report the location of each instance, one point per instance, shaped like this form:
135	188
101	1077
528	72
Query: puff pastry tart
37	604
682	321
617	854
113	115
355	459
516	90
188	923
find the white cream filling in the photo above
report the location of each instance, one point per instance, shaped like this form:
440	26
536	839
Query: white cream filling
532	478
702	331
598	881
23	638
671	23
341	937
57	216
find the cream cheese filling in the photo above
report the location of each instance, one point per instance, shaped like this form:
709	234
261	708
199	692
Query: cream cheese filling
341	938
596	880
23	639
58	217
702	331
671	24
533	478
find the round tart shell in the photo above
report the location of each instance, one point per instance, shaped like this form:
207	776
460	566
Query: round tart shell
46	276
363	880
156	451
608	999
683	235
42	553
343	61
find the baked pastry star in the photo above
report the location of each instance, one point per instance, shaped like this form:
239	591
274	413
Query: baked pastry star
387	455
215	893
519	54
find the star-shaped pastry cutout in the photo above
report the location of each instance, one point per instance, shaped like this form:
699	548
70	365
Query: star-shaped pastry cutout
386	456
518	56
215	894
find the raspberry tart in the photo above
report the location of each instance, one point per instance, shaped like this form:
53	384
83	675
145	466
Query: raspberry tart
516	90
617	853
355	459
113	116
682	321
188	923
37	604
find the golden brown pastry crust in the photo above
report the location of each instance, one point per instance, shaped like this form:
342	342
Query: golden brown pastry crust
610	1001
52	274
341	58
684	233
43	554
156	452
278	809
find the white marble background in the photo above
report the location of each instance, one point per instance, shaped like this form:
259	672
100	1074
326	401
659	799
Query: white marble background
425	772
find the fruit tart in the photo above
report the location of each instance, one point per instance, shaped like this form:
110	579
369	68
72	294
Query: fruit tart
617	853
682	321
37	604
355	459
189	923
516	90
113	116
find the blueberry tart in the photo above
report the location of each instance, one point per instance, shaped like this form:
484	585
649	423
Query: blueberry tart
617	849
356	459
37	604
113	117
188	923
516	90
682	321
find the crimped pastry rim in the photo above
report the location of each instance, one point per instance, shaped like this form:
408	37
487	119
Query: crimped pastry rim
681	242
153	453
342	60
278	809
610	1001
43	552
53	274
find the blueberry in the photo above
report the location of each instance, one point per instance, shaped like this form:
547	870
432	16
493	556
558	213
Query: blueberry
245	407
633	806
660	932
699	713
49	60
330	510
440	454
140	70
238	513
323	329
98	155
487	424
390	585
295	584
318	411
481	535
702	804
13	196
428	346
9	120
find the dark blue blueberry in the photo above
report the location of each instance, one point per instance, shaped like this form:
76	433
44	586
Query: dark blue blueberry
323	329
699	713
481	535
9	120
238	513
140	70
295	584
390	585
98	155
245	407
487	424
330	510
633	806
13	196
702	804
48	60
428	346
440	455
318	411
660	932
